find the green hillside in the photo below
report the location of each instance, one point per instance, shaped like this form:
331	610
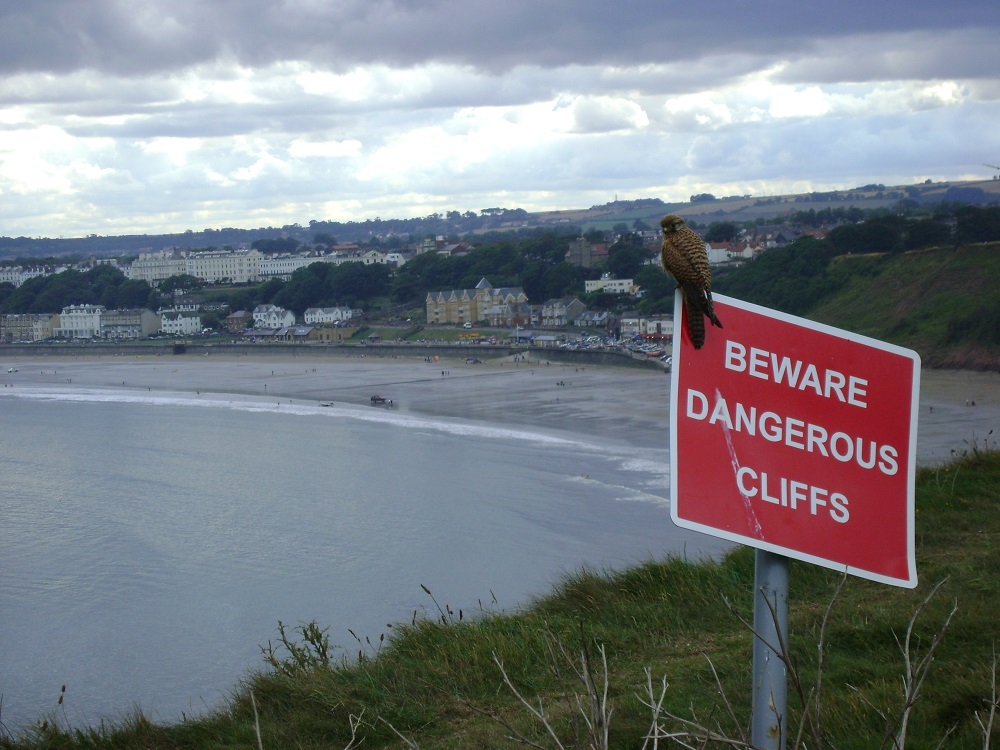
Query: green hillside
942	302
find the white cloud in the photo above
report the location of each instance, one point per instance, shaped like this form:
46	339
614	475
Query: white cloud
303	149
606	114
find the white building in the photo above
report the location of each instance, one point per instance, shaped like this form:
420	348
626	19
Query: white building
718	252
156	267
180	322
272	316
634	324
17	327
561	312
319	315
236	266
397	258
80	322
368	257
17	275
657	325
129	324
283	266
611	286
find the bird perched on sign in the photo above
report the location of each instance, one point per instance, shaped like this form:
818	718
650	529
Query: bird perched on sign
684	257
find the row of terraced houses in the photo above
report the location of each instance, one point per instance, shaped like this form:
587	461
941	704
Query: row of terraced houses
509	307
85	322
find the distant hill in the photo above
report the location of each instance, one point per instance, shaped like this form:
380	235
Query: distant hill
744	209
702	209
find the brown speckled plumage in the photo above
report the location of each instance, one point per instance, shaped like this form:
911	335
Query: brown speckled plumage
684	257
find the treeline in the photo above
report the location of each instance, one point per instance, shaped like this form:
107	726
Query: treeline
800	275
792	278
534	261
103	285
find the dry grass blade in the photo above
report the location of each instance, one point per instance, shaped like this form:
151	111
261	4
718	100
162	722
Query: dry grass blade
538	713
403	738
915	672
987	725
691	734
256	721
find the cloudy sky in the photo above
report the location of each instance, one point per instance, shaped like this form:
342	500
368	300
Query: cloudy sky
147	116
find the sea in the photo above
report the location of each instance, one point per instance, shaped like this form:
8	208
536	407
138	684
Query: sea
150	545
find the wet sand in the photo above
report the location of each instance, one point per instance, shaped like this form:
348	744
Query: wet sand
957	409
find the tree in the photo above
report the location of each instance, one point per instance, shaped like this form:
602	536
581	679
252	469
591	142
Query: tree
655	286
790	278
927	233
354	282
627	256
533	280
549	246
427	272
721	231
181	281
133	293
304	290
241	300
563	279
276	246
977	224
873	236
267	291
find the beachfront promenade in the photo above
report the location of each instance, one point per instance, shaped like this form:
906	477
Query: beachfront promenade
614	358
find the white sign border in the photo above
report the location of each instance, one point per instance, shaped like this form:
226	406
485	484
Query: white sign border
911	580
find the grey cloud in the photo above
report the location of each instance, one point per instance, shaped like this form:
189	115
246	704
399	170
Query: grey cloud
968	53
133	39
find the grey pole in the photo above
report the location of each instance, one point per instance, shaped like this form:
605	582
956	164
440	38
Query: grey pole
770	678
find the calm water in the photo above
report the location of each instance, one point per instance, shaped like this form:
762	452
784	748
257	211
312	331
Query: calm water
148	546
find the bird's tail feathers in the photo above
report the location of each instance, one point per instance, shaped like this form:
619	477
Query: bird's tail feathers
695	319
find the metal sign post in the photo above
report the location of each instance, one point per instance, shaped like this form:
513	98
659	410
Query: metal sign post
770	675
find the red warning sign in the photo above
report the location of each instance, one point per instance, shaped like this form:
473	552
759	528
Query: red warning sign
797	438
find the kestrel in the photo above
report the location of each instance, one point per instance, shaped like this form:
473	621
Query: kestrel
684	257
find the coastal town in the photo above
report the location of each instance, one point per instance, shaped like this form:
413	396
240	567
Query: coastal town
484	305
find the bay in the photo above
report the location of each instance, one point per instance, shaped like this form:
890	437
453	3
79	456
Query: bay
149	545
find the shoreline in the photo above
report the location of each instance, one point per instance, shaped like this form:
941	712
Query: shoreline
958	409
620	403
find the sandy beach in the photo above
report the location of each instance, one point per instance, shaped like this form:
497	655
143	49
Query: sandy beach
957	408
